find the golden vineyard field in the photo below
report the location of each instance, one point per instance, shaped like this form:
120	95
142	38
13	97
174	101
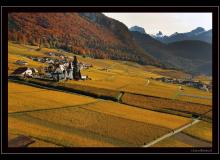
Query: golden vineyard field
202	130
156	103
100	124
57	137
201	133
146	110
27	98
139	114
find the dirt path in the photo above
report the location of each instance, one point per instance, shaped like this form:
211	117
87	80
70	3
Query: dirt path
171	133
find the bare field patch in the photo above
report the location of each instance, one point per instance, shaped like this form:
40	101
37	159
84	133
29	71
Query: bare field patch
37	142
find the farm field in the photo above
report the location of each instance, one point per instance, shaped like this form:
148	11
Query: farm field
166	105
56	137
99	124
201	130
26	98
198	135
143	85
116	75
138	114
182	140
146	110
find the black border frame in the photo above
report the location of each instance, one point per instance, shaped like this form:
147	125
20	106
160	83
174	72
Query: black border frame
215	11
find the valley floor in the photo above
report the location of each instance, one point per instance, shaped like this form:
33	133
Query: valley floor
145	111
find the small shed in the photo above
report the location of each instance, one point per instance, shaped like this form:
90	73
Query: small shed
84	77
22	72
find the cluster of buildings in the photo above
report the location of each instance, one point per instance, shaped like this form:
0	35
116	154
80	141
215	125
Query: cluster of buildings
57	69
47	60
190	83
63	71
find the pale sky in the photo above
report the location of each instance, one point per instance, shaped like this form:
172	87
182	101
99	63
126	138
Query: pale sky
168	23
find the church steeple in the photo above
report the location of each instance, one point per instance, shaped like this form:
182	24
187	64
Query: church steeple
76	69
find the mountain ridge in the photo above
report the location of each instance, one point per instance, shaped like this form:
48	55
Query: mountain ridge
187	55
89	34
137	29
198	33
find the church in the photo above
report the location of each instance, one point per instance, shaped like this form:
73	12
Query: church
70	70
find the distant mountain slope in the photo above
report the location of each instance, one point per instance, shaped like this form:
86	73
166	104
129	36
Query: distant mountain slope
192	49
91	34
152	46
199	52
197	34
205	36
193	56
137	29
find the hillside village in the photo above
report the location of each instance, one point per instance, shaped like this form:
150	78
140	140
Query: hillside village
60	67
57	69
186	82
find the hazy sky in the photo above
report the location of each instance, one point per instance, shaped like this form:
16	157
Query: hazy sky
168	23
